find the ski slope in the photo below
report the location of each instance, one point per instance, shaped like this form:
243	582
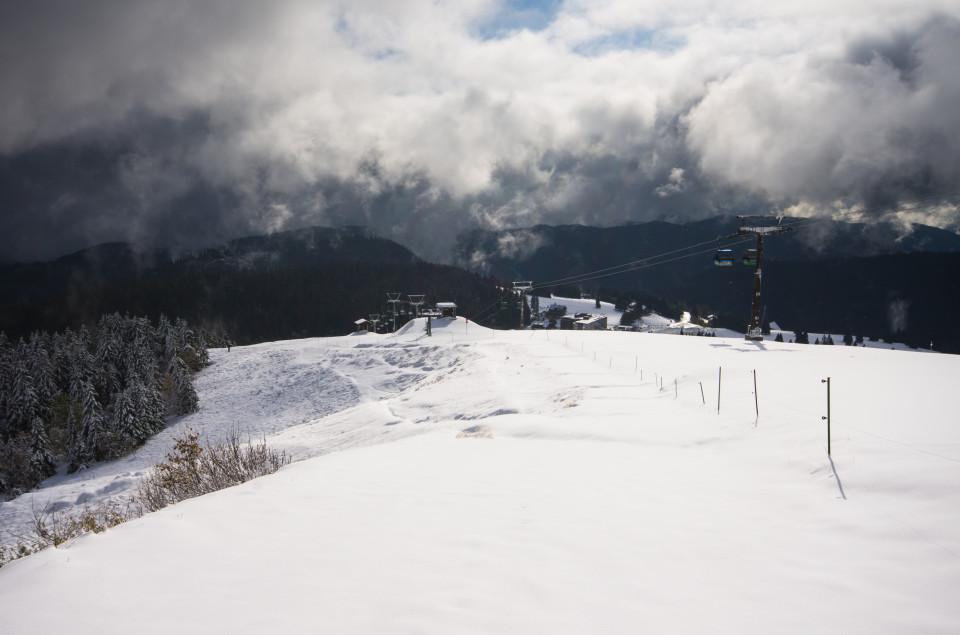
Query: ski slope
481	481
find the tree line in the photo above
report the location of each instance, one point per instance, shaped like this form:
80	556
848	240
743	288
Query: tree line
74	397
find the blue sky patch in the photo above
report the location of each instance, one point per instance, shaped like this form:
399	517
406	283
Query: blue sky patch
516	15
629	41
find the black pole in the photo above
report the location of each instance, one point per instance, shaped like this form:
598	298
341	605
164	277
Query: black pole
827	382
753	331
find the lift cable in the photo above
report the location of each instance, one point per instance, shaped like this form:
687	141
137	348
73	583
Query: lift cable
633	265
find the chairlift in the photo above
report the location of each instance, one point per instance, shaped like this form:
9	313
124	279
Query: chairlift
723	258
750	257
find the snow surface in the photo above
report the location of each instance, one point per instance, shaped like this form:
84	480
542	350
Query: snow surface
535	482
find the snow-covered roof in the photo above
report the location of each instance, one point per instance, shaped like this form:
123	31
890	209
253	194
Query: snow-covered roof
446	305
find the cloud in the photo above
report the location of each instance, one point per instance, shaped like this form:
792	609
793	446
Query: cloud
674	184
188	122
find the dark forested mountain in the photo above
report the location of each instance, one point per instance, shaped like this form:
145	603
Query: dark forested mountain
869	279
113	262
309	282
874	279
545	253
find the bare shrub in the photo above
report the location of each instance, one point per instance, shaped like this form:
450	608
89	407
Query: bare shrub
52	528
188	471
191	470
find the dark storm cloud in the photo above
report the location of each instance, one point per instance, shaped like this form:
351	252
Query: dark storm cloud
183	123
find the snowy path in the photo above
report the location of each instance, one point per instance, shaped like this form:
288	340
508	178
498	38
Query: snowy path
612	497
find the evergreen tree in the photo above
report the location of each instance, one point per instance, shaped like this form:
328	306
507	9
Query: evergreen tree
78	456
62	345
141	360
41	461
41	367
125	417
92	425
184	397
6	380
149	403
24	403
109	354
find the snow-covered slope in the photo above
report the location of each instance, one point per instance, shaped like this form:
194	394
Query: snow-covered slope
515	482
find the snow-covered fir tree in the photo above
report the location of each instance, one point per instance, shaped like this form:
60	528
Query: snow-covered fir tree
41	460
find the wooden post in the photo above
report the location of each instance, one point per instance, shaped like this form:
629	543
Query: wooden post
675	392
756	399
827	382
701	394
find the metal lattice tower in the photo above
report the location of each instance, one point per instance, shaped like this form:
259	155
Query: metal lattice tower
375	318
416	301
758	226
520	287
393	298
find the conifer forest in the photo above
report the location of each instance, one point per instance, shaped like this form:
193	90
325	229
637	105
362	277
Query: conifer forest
71	398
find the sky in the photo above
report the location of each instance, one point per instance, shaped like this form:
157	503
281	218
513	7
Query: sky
183	124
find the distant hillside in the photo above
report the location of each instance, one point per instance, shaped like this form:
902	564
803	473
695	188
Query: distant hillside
112	262
261	304
544	252
301	283
828	276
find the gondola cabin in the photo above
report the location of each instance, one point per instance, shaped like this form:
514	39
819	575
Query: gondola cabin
723	258
750	257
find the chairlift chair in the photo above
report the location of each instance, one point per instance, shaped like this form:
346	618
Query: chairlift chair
750	257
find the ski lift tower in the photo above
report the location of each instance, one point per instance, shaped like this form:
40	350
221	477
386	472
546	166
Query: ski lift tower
375	318
416	301
760	227
393	298
521	287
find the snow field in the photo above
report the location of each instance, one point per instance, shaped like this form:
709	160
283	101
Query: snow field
602	503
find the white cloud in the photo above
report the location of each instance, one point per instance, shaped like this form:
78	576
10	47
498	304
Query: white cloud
782	99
